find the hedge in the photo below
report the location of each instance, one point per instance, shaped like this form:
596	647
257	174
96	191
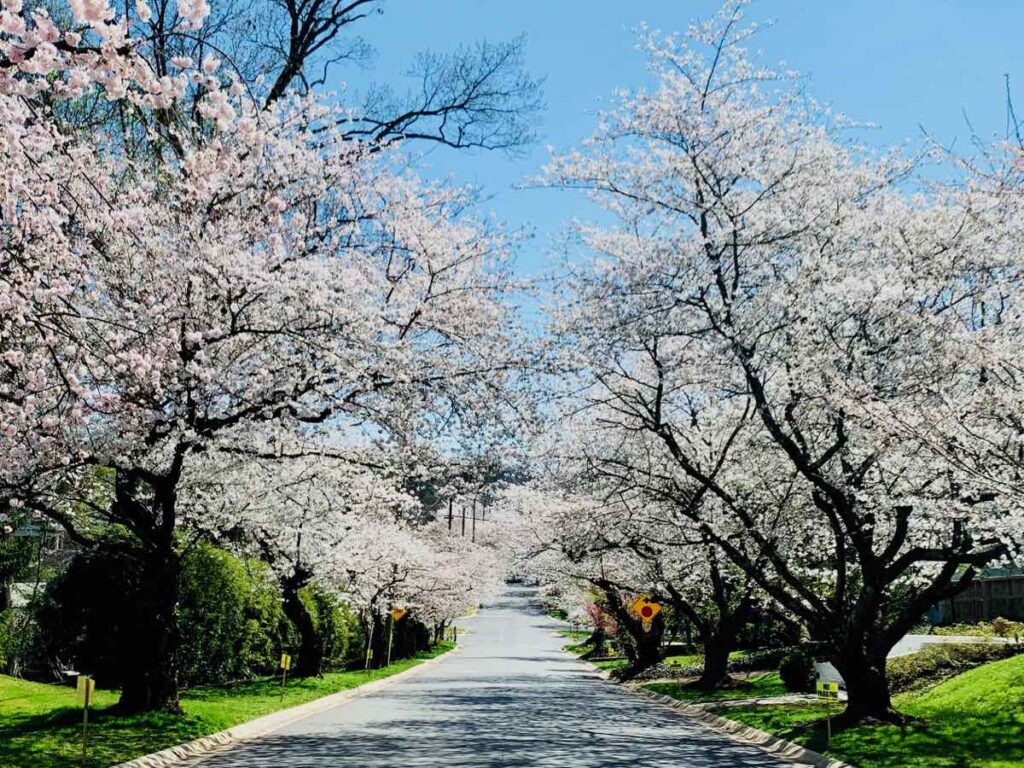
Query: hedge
939	661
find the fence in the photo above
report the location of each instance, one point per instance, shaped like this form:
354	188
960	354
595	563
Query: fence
986	599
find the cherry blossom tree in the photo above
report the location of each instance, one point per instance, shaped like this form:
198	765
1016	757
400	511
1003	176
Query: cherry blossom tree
304	516
268	275
343	520
981	430
435	575
704	588
477	95
763	340
575	540
625	545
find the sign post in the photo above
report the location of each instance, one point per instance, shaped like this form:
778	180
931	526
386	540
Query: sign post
85	687
396	614
286	664
830	692
369	643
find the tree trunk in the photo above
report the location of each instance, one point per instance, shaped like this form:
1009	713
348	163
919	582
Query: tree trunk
404	640
309	660
718	627
867	687
150	658
717	647
598	641
646	646
378	641
643	647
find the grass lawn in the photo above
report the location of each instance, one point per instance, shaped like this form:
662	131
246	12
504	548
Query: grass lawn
754	687
685	660
609	664
576	635
578	647
974	720
41	725
617	662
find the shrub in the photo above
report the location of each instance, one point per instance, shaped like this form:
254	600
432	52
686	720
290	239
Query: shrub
761	659
757	660
8	641
79	624
998	627
267	630
938	661
797	671
211	616
335	623
229	617
1006	628
980	629
17	632
657	672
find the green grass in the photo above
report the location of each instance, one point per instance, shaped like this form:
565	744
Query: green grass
683	660
578	648
754	687
686	660
617	662
609	664
576	635
974	720
41	725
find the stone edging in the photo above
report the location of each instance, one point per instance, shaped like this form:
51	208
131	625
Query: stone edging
745	733
205	745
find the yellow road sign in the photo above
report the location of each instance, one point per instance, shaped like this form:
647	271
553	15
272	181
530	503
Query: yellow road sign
827	690
397	613
644	609
286	661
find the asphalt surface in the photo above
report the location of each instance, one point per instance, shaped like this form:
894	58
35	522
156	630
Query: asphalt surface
507	697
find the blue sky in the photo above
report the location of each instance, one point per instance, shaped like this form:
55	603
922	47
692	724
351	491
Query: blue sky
901	64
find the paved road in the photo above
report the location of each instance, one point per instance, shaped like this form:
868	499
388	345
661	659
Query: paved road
507	697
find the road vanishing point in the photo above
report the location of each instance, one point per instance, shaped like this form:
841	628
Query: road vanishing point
509	696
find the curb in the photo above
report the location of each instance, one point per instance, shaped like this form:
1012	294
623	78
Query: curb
745	733
767	742
215	742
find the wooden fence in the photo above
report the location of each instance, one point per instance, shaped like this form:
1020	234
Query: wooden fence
986	599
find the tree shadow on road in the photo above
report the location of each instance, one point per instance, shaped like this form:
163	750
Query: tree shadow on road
487	723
